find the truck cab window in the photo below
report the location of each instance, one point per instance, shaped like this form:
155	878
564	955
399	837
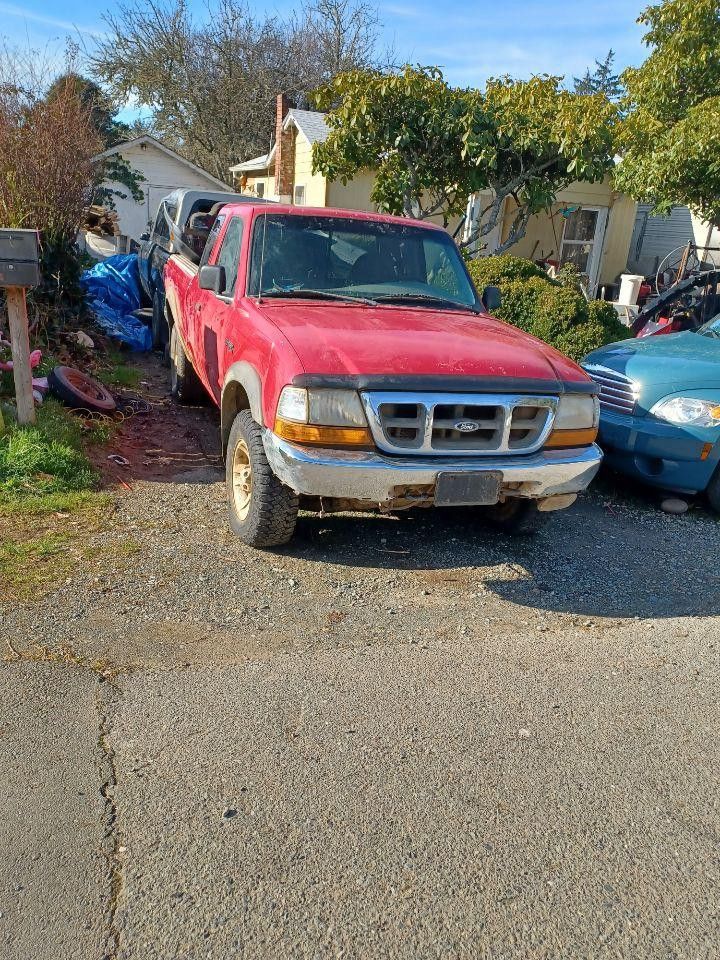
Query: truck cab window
212	238
161	230
229	255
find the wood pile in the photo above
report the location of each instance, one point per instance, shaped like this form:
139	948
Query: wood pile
101	221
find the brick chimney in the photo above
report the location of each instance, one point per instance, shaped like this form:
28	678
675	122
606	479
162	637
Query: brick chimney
284	153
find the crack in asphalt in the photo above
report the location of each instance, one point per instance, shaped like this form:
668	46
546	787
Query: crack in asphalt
108	695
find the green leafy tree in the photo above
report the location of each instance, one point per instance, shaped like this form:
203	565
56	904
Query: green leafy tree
603	79
431	145
670	137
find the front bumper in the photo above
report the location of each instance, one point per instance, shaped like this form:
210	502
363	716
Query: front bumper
658	453
370	476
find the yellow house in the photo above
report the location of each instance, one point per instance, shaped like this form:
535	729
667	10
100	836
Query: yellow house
285	173
590	225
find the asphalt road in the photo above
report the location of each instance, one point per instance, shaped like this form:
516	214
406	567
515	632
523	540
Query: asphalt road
54	879
397	738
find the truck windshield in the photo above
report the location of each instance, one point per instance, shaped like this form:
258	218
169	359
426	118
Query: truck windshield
356	259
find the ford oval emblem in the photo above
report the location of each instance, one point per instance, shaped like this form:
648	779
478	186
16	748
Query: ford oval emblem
467	426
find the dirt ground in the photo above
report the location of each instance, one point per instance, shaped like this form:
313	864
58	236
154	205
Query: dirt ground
396	737
164	442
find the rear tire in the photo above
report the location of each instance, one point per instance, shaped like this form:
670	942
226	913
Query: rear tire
713	490
518	517
262	511
160	333
185	384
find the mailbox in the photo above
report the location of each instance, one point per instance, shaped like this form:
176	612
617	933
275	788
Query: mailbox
19	258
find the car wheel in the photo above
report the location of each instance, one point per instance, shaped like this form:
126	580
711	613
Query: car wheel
79	391
713	490
518	517
185	384
262	510
159	323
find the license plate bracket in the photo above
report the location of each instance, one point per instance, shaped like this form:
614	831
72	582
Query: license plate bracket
477	489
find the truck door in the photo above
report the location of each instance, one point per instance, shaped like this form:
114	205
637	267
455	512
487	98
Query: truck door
154	251
216	315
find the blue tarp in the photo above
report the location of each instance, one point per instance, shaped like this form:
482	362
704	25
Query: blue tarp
113	291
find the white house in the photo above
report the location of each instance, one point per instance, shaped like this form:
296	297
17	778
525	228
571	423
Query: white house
164	171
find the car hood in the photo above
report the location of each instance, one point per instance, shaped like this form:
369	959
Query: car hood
664	364
345	339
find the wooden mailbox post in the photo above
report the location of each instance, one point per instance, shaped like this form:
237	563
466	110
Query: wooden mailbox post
20	269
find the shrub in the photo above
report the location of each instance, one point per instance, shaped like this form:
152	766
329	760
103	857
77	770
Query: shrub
553	310
47	173
494	271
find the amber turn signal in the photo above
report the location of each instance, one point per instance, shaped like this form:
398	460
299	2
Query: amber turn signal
323	436
572	438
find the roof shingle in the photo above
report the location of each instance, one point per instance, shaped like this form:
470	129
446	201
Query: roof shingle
311	124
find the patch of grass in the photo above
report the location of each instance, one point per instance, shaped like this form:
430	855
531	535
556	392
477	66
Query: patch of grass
47	458
39	505
25	565
44	538
120	375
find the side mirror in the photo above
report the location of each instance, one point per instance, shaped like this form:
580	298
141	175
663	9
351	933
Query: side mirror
145	236
491	298
212	278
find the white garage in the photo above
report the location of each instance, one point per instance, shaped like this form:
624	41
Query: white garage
164	171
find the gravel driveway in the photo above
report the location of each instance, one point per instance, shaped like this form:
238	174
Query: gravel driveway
394	738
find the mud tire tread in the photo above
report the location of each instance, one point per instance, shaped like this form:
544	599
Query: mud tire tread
273	507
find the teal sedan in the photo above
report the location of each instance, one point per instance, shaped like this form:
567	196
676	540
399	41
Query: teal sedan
660	409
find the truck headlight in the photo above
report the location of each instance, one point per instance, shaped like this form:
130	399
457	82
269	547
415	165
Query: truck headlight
322	417
688	411
576	422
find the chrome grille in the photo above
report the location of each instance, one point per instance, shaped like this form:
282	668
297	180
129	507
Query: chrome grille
617	392
442	423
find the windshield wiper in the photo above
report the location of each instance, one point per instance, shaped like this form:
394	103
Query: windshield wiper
301	294
425	297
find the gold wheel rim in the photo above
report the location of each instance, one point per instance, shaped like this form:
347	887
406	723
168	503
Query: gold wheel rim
241	480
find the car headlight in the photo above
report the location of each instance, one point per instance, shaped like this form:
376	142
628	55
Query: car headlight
688	411
576	422
322	417
577	413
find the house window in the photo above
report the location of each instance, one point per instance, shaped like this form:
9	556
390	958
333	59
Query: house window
582	241
300	195
260	188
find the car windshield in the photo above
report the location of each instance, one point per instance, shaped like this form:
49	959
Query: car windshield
711	328
331	258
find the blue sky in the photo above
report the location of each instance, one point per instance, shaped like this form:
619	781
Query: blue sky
470	39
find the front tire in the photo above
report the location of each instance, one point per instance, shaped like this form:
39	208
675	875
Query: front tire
185	384
518	517
262	510
713	490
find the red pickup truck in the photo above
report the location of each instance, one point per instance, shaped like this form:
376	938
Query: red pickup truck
356	368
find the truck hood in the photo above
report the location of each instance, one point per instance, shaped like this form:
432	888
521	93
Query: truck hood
664	364
344	339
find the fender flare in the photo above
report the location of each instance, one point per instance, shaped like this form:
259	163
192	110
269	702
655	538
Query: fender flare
242	390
